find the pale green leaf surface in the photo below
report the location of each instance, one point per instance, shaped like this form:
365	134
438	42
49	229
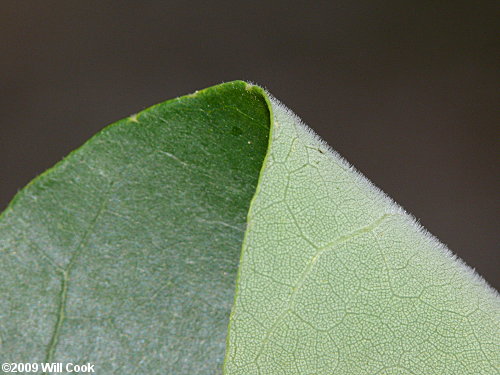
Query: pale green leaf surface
126	255
335	278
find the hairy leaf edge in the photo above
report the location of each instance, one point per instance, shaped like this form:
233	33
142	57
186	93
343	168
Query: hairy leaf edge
274	106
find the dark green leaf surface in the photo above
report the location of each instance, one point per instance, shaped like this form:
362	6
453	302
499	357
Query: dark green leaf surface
125	254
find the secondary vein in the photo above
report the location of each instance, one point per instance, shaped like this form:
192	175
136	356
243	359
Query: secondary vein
66	276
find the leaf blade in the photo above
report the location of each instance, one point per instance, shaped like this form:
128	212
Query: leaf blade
349	283
333	278
125	253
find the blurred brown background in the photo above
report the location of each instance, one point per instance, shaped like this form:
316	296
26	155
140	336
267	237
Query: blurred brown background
406	91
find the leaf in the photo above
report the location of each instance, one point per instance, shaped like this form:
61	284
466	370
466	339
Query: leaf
335	278
126	255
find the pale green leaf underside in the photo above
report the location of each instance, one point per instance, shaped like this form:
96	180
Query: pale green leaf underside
335	278
126	255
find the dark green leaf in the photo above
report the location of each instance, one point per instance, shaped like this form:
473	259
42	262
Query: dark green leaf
126	255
